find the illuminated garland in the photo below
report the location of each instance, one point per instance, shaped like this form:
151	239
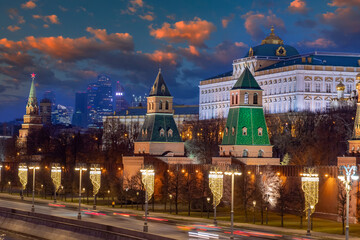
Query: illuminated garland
148	179
216	185
56	175
95	177
310	186
23	174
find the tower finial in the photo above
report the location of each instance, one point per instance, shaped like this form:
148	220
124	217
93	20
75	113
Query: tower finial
272	29
33	75
159	69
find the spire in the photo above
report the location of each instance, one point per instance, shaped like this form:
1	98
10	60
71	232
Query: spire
246	81
32	104
32	88
159	88
272	38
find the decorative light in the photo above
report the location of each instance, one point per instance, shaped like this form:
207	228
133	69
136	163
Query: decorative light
148	179
95	177
216	185
23	175
310	186
56	175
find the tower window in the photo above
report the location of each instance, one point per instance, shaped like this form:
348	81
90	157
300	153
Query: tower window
261	153
233	131
246	98
237	98
255	100
170	132
167	105
226	131
162	132
260	131
160	105
245	153
244	131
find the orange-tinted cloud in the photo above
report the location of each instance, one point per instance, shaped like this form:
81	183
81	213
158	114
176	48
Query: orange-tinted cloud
14	14
195	32
298	6
162	56
319	43
48	19
254	23
345	3
28	5
241	44
148	17
13	28
226	20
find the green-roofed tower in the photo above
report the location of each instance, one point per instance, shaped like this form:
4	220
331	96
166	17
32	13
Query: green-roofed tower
246	133
159	135
32	120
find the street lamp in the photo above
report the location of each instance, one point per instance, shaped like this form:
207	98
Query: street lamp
147	177
254	204
216	185
350	174
56	177
9	183
208	206
232	173
0	171
95	177
137	200
23	175
108	198
310	186
34	168
170	196
80	168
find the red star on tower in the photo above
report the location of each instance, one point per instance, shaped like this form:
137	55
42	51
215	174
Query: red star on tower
33	75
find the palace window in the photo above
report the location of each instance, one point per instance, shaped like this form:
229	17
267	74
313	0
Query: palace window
328	87
246	98
348	88
307	87
317	106
244	131
255	98
317	87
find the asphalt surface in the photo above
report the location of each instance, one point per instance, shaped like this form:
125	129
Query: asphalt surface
168	227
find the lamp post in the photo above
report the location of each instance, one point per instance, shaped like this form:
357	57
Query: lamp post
147	177
9	183
137	200
254	204
170	196
267	208
350	175
232	173
216	185
95	177
56	177
34	168
208	206
108	198
23	175
81	168
310	186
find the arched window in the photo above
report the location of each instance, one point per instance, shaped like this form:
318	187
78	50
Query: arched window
244	131
246	98
237	98
261	153
255	99
167	105
233	131
152	106
162	132
170	132
245	153
260	131
226	131
160	105
232	98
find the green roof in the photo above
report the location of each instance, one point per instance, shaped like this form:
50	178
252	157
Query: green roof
32	90
150	131
246	81
252	118
159	88
269	50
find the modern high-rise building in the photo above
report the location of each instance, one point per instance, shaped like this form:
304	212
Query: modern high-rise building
120	102
45	111
51	96
80	114
138	101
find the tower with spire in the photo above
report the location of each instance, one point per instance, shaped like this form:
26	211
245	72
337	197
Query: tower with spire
246	138
32	120
159	135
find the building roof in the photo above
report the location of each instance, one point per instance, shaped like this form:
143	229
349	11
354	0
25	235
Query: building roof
246	81
159	88
318	58
270	50
226	74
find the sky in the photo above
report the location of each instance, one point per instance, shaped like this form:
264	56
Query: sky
68	43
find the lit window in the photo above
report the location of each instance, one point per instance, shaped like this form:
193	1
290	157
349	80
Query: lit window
260	131
244	131
233	131
226	131
246	98
162	132
170	132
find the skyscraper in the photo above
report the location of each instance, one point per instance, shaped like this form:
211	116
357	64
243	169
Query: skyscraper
45	111
120	102
80	114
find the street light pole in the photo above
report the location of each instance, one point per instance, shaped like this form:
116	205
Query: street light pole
350	174
208	206
254	203
170	196
33	190
232	173
147	177
80	169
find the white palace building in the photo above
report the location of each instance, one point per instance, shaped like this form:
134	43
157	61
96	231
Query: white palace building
290	81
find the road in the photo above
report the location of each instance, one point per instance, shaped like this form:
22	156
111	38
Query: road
168	227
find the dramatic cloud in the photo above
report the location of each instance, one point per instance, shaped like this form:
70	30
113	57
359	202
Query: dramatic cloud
225	21
319	43
298	6
14	14
194	32
148	17
255	22
13	28
160	56
28	5
345	3
48	19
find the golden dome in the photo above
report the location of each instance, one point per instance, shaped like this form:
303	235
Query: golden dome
272	38
358	77
340	87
